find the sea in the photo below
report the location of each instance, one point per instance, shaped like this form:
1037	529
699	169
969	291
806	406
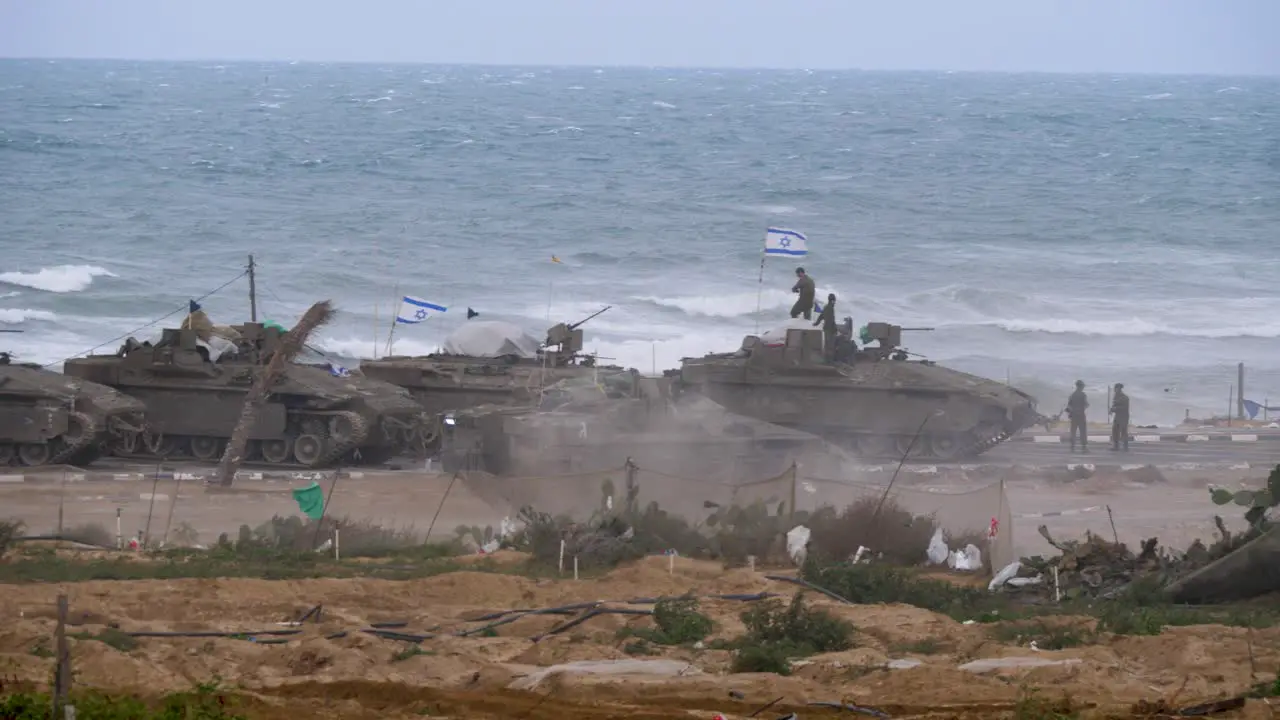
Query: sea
1045	228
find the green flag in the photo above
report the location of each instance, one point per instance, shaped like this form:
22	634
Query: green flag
310	500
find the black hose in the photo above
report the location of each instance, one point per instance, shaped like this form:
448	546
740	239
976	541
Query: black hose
389	625
315	611
562	610
809	585
567	609
403	637
208	633
872	712
587	616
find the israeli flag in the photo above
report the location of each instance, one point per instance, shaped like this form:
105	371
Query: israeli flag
414	310
780	241
337	370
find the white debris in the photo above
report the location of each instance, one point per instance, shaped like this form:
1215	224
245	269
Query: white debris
938	551
797	543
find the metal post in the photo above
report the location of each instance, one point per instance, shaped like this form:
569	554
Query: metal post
62	667
1240	391
253	292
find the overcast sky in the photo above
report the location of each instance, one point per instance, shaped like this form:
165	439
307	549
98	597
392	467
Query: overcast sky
1163	36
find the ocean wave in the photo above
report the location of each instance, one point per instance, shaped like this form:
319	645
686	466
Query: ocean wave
959	307
14	316
1133	327
728	305
58	279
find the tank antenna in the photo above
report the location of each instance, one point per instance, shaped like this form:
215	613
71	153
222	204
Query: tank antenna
253	291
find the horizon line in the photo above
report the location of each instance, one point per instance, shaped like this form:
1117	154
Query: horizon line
618	66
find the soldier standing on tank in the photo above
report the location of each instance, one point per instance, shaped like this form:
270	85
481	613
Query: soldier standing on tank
827	318
1120	421
804	286
1076	406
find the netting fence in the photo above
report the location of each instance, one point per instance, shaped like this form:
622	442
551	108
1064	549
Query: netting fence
184	510
982	512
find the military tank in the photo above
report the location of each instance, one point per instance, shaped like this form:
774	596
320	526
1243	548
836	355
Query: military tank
489	363
47	418
194	384
872	401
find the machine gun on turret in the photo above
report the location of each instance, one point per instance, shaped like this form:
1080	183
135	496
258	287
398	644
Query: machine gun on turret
567	341
889	338
5	357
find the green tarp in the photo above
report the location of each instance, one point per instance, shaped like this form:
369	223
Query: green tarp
310	500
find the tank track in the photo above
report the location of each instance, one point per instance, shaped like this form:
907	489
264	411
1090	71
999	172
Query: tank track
923	451
78	447
327	437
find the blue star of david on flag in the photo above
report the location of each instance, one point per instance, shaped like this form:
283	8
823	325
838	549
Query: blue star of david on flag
780	241
414	310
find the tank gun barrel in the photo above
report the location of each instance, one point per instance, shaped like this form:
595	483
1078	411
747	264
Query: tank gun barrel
578	324
919	329
2	330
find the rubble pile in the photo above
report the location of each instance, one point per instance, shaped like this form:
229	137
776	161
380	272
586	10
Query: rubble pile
1094	568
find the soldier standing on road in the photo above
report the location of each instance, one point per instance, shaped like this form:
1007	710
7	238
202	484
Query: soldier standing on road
804	286
1076	406
1120	423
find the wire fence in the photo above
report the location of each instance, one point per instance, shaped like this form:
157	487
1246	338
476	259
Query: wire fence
983	511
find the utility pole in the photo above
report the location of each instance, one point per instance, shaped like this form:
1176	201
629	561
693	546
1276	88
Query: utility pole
1240	392
253	292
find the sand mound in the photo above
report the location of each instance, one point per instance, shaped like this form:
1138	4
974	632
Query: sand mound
335	663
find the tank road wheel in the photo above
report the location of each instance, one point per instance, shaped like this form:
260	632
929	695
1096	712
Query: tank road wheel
277	450
918	448
77	425
159	444
206	449
34	453
126	443
307	449
341	429
874	446
6	454
944	447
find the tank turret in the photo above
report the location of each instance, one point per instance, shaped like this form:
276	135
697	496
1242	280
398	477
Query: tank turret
47	418
873	400
490	363
194	388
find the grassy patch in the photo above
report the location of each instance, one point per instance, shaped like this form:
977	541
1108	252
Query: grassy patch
678	622
1047	635
411	652
112	637
927	646
1031	705
204	702
777	633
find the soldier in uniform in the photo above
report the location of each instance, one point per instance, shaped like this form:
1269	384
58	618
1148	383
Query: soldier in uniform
804	286
1120	421
1076	405
827	318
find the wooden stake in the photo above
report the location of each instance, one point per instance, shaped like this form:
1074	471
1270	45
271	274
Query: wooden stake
62	671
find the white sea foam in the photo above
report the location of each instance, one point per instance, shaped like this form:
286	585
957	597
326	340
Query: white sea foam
58	279
14	316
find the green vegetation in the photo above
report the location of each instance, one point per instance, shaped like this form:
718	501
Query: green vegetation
204	702
1141	610
678	622
778	633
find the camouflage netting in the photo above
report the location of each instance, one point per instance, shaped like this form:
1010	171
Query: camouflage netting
490	338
